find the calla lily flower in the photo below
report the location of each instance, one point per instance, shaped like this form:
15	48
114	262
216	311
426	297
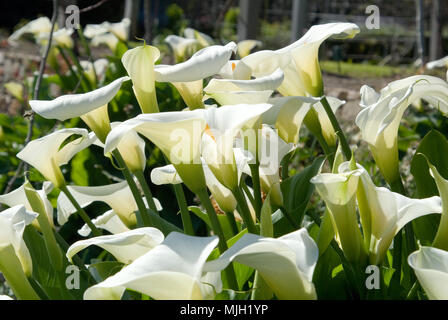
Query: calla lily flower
384	213
12	223
5	297
16	90
182	47
338	190
172	270
223	196
431	267
287	114
188	76
132	149
98	67
108	221
90	106
177	134
61	37
235	69
125	247
224	124
107	38
46	155
440	63
272	149
139	63
118	196
299	60
380	118
230	91
246	46
286	264
119	29
203	39
35	27
18	197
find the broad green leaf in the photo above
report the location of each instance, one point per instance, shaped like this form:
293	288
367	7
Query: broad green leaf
266	227
105	269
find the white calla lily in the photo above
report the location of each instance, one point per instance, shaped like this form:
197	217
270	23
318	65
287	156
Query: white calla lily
230	91
139	63
35	27
46	155
165	175
246	46
108	221
107	38
235	69
5	297
12	223
222	195
203	39
125	247
118	29
188	76
223	125
172	270
288	114
18	197
382	112
338	190
440	63
384	213
118	196
98	67
286	264
431	267
182	47
61	37
177	134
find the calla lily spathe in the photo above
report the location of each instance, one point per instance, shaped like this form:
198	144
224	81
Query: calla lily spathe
172	270
440	63
18	197
203	39
12	225
383	213
380	117
286	264
98	67
338	190
246	46
188	76
431	267
61	38
118	29
235	69
118	196
177	134
182	47
139	63
108	221
224	124
230	91
34	27
108	39
46	155
125	247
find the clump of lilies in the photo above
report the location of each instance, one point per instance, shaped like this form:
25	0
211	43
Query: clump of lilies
231	146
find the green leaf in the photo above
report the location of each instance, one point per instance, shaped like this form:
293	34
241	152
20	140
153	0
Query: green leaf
223	220
104	269
435	147
297	190
266	227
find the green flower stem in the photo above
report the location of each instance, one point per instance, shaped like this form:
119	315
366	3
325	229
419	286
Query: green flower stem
337	128
81	212
255	173
232	222
79	67
184	212
146	190
216	226
246	190
244	210
285	164
11	269
145	216
88	51
349	270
